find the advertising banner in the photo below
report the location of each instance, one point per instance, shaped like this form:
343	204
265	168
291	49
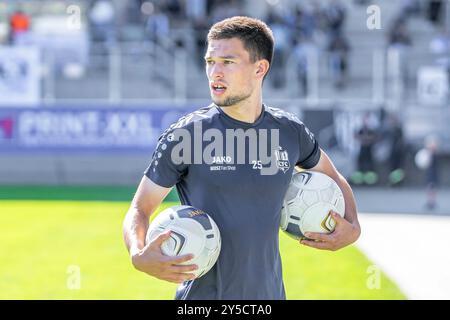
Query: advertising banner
84	129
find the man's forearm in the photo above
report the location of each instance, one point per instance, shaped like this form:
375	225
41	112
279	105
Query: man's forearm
350	202
134	230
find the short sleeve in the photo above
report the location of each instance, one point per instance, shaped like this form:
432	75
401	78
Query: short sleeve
164	170
309	154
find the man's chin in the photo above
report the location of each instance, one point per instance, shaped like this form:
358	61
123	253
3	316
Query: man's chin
219	102
227	102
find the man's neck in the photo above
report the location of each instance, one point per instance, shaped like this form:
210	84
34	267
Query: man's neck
246	111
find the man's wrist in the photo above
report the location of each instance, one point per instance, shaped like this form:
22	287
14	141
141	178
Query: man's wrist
135	256
135	251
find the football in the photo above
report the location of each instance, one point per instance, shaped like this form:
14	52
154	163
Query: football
307	204
192	232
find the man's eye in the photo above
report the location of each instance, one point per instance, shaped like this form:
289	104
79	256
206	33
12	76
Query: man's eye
209	62
228	62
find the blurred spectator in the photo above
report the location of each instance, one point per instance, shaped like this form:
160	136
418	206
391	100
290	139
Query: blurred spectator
440	44
304	48
134	11
432	172
367	137
173	8
434	11
320	19
19	23
305	21
397	150
196	10
399	39
102	19
201	32
281	50
335	14
338	50
440	47
226	9
399	34
197	13
158	26
410	7
361	2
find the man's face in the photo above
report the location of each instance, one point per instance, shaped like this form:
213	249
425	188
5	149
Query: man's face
231	74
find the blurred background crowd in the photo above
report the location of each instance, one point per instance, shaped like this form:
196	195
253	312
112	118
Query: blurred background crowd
370	78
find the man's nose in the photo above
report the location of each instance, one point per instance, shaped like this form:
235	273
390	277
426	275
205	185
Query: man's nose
216	71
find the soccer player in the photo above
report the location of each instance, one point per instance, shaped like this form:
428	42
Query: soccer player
233	159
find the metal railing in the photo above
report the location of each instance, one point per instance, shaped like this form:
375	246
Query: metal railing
149	72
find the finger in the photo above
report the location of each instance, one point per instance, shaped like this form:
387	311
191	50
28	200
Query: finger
317	245
319	236
337	217
180	277
179	259
180	268
158	241
187	276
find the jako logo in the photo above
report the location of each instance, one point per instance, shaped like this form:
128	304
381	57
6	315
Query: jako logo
196	213
222	160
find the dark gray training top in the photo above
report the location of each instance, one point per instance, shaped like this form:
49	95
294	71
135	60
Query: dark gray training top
238	173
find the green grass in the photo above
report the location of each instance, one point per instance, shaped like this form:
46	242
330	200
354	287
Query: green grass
41	240
84	193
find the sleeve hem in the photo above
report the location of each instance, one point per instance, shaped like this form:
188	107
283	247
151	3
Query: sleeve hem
155	179
312	160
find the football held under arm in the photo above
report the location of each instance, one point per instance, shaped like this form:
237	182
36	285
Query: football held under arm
315	159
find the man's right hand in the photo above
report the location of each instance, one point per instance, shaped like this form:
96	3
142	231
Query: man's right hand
152	261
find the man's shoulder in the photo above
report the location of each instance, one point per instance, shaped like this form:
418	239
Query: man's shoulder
283	115
202	114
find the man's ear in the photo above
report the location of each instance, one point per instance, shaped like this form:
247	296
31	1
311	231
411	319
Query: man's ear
262	68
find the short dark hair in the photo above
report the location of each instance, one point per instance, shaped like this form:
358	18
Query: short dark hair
255	35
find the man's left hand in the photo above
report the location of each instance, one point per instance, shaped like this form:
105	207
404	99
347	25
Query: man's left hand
343	235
